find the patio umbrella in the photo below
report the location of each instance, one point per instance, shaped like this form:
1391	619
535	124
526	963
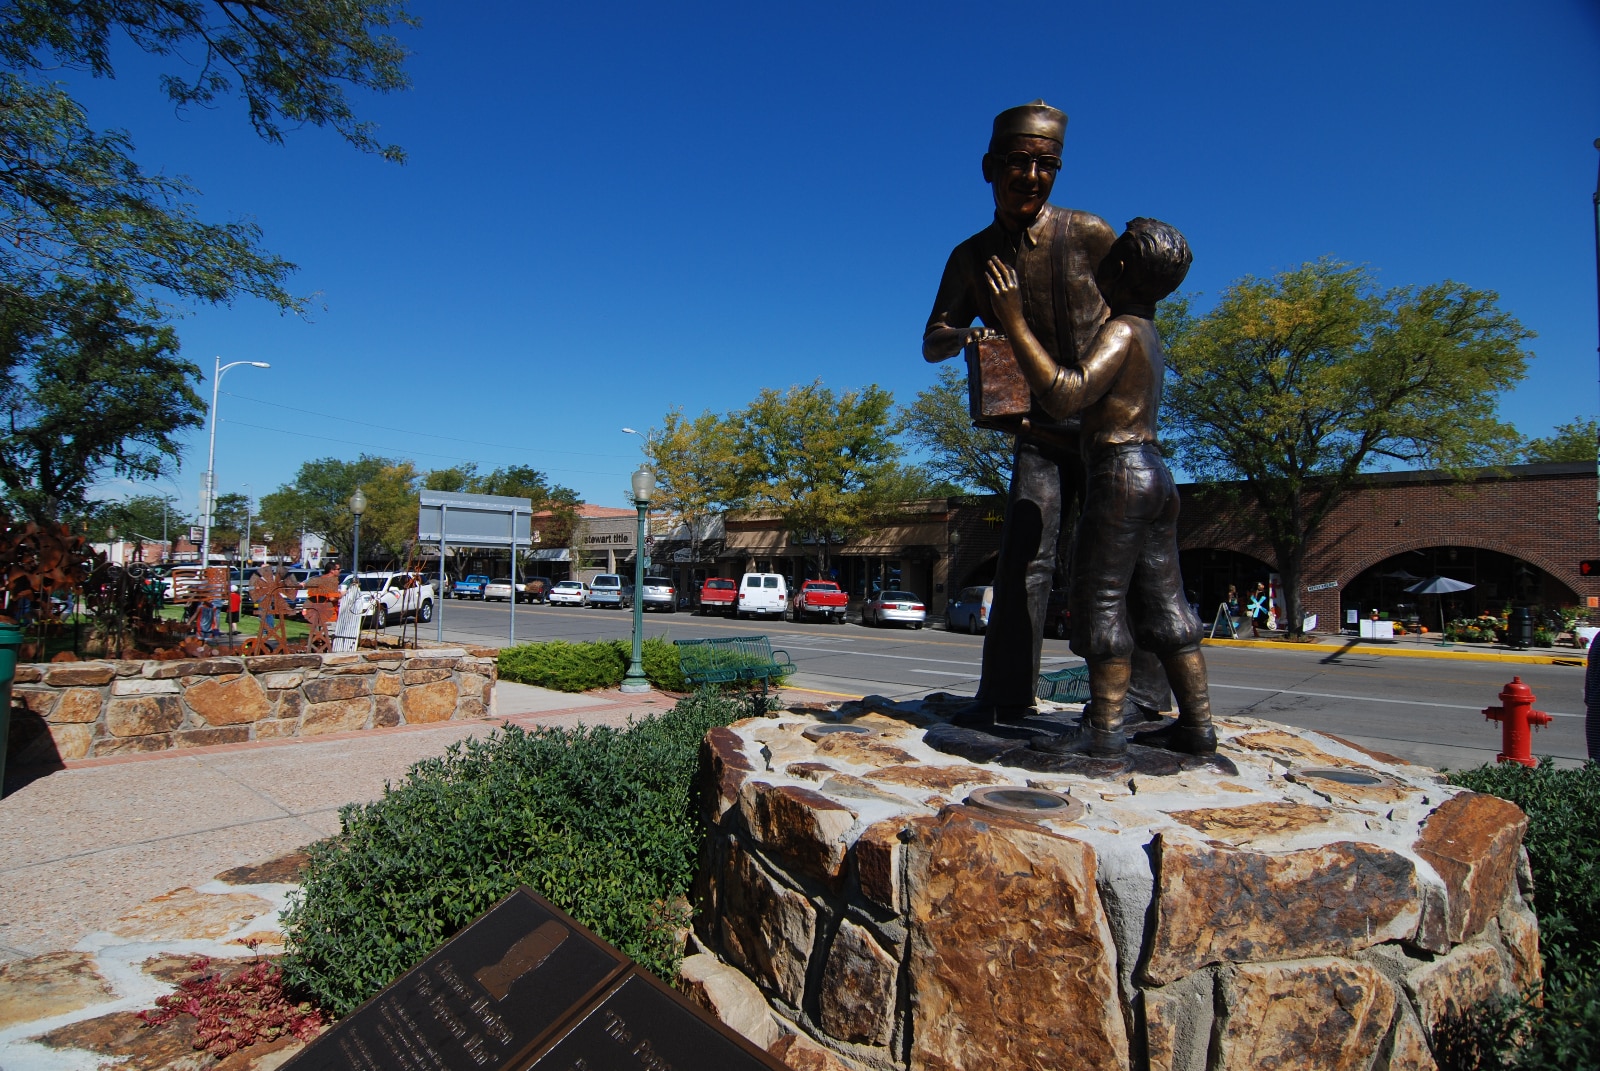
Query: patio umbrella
1439	585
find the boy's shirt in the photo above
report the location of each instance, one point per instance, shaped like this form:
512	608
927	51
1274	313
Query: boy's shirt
1116	386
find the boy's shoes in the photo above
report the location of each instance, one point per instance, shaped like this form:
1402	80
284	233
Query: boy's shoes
1189	739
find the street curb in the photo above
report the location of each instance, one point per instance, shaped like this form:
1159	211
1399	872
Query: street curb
1576	658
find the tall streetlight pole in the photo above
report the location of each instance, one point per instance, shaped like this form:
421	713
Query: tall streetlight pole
644	486
1597	307
358	506
208	483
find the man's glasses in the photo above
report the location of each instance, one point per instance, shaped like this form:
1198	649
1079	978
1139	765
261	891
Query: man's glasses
1026	161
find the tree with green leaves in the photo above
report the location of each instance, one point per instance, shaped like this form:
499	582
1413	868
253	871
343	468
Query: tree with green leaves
318	500
825	463
73	201
696	474
516	481
134	517
1577	441
1297	384
939	423
89	387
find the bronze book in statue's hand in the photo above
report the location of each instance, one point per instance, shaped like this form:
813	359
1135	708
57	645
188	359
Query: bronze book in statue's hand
997	393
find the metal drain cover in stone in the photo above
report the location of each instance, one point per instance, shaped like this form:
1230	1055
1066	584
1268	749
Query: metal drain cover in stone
817	732
1340	776
1026	802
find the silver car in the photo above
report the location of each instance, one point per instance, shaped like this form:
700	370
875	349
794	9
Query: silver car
570	593
894	608
611	589
659	594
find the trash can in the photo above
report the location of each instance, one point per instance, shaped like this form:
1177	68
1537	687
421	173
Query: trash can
10	643
1519	629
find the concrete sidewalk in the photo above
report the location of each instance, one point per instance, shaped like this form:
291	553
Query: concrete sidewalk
1428	646
92	840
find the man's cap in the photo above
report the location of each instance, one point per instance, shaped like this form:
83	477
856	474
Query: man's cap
1035	120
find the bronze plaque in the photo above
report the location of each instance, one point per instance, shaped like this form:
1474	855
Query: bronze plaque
997	393
528	988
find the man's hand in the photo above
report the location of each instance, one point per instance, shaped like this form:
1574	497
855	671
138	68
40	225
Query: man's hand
1006	293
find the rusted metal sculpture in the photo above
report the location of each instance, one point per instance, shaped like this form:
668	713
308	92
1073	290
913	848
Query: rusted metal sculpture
273	590
38	560
321	609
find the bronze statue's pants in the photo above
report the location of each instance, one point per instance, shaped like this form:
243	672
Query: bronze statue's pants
1186	669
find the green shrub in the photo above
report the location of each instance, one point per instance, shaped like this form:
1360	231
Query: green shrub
578	667
599	820
1563	842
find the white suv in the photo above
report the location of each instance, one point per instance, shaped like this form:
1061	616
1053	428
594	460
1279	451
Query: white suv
389	597
761	593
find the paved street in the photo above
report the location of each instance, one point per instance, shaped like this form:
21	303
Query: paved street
1423	709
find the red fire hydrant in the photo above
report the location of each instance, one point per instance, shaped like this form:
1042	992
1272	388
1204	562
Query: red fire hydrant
1517	720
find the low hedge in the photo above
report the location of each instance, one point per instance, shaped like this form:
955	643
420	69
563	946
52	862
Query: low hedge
578	667
1563	842
601	821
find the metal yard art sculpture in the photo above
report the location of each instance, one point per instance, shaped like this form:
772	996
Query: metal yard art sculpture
273	589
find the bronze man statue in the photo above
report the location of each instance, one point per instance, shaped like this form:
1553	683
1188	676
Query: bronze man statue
1125	578
1054	253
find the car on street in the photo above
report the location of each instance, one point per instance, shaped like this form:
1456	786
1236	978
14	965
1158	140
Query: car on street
535	589
819	598
469	587
894	607
386	597
762	593
611	589
969	610
569	593
497	590
717	595
659	594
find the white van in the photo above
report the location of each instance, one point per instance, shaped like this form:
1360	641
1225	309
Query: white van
761	593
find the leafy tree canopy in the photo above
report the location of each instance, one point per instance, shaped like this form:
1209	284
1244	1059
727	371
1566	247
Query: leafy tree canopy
319	500
74	202
1296	384
1576	441
89	386
133	517
939	424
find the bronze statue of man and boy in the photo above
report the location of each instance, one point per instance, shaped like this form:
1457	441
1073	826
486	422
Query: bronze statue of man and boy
1076	302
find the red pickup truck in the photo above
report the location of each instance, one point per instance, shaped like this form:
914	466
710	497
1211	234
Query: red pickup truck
717	595
818	598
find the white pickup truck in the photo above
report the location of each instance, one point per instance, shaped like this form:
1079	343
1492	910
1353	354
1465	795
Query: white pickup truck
387	597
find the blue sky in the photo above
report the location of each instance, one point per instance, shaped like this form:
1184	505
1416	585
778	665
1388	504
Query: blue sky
611	210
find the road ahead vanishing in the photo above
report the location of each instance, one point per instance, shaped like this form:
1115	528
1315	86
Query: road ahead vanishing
1425	710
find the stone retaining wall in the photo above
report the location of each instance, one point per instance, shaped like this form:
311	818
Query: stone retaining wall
76	710
1205	919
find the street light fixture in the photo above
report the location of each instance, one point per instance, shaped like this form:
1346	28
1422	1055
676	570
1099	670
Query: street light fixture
208	482
644	486
358	506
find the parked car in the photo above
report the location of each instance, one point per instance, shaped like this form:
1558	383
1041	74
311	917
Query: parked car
570	593
819	598
387	597
469	587
762	593
969	610
717	595
497	590
535	589
611	589
894	607
659	594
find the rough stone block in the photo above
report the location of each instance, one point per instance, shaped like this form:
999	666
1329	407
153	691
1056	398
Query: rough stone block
64	742
337	716
385	711
879	854
1177	1023
226	700
281	663
427	702
359	669
1007	931
27	675
131	745
1452	984
40	701
471	707
277	728
1408	1047
386	684
800	1053
426	676
471	684
1472	841
729	996
196	667
417	665
1519	933
139	686
79	673
77	706
330	689
52	984
143	715
290	704
277	681
229	734
803	828
856	1000
1220	905
767	930
723	767
1316	1014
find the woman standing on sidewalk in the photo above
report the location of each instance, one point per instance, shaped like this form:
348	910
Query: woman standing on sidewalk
1258	610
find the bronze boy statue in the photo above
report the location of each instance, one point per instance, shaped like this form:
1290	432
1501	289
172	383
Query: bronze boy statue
1125	581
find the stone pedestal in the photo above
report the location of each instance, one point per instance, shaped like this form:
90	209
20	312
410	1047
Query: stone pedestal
1195	919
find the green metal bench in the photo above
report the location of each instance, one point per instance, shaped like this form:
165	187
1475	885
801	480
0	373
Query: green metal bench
731	660
1070	685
